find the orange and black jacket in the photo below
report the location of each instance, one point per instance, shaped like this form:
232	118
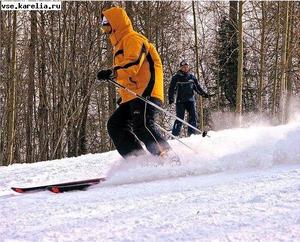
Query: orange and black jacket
137	64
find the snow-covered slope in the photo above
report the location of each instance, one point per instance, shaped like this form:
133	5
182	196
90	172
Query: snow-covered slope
242	185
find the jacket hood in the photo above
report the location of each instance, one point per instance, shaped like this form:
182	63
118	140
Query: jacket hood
119	22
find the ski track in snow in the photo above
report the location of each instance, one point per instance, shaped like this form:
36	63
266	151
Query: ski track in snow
243	185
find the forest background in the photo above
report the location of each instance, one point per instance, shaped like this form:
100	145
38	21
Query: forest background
247	53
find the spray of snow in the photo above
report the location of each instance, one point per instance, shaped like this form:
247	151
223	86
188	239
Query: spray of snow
258	146
226	150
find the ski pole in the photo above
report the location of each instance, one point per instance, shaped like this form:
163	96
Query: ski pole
174	137
204	133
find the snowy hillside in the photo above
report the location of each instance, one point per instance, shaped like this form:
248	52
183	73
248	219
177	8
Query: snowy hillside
242	185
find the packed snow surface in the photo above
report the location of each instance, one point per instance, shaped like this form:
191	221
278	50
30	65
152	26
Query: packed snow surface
242	185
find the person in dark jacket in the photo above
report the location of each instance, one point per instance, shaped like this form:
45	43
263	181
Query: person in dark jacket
184	85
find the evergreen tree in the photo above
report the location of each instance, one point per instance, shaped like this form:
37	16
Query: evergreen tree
227	53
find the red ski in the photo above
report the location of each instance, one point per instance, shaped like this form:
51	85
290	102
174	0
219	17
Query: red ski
68	188
46	187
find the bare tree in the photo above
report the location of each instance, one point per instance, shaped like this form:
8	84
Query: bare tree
197	66
31	89
42	90
11	114
262	58
283	86
275	81
239	101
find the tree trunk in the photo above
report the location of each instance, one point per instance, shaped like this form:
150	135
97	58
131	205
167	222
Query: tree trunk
200	102
239	101
11	115
232	69
59	108
112	93
283	86
86	93
275	82
262	60
2	80
42	86
290	48
73	89
31	90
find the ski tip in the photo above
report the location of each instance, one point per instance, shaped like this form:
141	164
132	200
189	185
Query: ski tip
55	189
19	190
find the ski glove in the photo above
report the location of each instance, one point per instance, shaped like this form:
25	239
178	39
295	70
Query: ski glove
105	74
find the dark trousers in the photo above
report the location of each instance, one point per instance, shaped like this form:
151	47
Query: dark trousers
181	107
133	122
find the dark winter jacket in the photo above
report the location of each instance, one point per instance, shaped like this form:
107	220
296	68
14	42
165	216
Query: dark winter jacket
184	84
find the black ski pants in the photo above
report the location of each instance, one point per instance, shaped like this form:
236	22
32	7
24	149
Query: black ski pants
181	107
132	122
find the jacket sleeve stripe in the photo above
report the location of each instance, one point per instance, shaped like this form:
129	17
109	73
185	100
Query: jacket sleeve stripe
132	63
148	90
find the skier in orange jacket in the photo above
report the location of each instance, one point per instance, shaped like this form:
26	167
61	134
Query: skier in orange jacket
138	67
